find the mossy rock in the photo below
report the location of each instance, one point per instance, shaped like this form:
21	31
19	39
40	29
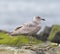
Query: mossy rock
17	40
56	39
55	29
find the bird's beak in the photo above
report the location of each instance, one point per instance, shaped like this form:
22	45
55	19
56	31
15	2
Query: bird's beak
43	19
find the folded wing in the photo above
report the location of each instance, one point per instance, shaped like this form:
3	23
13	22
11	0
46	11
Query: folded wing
26	29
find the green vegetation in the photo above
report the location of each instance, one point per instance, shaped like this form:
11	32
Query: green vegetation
21	40
17	40
54	30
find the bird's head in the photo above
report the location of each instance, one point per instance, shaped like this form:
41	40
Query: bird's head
37	19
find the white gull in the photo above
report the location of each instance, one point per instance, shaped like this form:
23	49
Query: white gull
28	28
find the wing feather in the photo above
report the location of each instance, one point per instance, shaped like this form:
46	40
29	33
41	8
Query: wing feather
18	28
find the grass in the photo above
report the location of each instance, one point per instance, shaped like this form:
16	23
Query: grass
17	40
55	29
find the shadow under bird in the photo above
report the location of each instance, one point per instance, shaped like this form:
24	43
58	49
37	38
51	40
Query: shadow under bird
28	28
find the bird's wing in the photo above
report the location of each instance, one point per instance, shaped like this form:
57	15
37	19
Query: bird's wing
18	28
25	25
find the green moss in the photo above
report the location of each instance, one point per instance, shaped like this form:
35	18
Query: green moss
4	38
55	29
17	40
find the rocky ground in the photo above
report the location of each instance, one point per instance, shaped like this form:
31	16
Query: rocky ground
44	48
36	44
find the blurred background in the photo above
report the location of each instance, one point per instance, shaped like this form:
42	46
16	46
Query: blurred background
16	12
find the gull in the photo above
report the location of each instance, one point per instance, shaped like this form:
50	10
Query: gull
28	28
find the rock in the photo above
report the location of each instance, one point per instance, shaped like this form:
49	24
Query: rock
56	38
54	50
40	52
24	51
43	48
44	34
